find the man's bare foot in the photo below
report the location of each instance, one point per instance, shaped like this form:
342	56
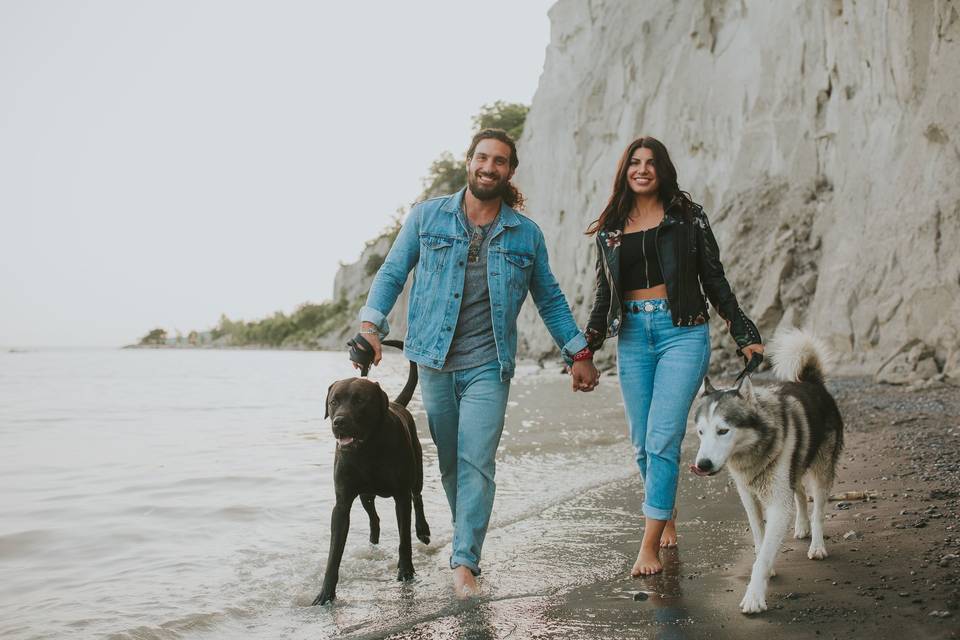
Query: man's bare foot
668	539
647	564
464	584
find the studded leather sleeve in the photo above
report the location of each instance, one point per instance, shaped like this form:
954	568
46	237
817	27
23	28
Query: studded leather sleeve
596	331
715	285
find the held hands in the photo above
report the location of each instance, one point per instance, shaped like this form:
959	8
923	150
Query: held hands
585	375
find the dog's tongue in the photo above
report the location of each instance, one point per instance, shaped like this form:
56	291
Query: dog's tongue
342	440
697	470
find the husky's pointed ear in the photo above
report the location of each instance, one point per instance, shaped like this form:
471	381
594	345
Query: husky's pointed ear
745	390
707	387
326	403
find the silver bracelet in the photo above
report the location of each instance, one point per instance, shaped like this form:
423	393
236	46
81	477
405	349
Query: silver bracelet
369	331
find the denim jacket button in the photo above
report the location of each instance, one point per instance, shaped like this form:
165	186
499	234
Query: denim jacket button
456	295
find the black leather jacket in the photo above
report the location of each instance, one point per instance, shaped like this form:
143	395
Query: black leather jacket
689	259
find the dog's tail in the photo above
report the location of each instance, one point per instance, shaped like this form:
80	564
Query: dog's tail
407	393
799	357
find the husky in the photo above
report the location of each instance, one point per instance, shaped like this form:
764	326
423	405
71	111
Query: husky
780	442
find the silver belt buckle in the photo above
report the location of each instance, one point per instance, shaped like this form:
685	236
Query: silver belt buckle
648	307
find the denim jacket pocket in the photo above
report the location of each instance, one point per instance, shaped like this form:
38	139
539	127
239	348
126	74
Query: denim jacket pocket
433	253
519	269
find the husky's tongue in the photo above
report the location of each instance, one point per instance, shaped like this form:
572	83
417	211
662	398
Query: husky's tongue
697	470
343	440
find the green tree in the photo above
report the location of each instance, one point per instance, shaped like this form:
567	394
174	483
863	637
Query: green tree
509	116
373	263
155	337
447	174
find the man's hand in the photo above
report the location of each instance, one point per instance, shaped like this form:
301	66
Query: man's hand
373	339
585	375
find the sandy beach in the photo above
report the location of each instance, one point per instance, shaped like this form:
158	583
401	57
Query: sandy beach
194	499
893	569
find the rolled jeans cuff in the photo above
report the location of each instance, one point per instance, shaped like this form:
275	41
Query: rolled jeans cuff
657	514
462	562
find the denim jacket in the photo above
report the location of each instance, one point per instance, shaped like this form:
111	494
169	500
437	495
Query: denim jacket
435	241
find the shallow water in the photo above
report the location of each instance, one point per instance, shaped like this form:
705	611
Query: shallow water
178	494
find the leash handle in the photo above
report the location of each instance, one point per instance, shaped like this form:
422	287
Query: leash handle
361	351
755	361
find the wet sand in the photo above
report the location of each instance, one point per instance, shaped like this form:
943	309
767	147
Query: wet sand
896	575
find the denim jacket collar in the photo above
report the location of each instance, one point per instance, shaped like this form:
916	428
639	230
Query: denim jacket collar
507	217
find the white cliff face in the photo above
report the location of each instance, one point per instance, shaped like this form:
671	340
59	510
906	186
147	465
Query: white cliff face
823	139
352	283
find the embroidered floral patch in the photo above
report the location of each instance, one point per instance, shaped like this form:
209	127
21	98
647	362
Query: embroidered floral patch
593	336
613	238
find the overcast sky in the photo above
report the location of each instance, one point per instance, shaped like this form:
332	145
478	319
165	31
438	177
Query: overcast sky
162	163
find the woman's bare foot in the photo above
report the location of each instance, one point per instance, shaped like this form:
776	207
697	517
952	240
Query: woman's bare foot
464	584
647	564
668	539
648	560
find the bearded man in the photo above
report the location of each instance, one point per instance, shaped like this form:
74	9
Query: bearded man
476	258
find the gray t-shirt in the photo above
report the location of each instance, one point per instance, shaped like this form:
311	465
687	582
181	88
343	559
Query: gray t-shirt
473	342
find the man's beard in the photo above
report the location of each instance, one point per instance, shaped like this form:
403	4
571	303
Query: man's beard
497	190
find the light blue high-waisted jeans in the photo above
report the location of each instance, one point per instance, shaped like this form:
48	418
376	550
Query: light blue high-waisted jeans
465	411
661	368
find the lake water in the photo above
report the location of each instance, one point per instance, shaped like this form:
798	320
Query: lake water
179	494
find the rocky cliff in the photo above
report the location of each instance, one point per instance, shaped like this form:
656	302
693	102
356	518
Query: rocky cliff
352	283
823	139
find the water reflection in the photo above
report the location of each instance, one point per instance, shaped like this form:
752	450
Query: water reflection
666	595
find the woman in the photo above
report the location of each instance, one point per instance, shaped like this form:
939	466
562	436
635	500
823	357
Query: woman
656	256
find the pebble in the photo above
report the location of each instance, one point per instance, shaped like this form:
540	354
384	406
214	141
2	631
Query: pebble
640	596
940	614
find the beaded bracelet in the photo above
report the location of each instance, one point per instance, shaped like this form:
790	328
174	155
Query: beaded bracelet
583	354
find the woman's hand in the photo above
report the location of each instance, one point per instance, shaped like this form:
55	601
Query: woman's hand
751	349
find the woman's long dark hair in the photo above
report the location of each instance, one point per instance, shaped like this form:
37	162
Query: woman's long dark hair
615	214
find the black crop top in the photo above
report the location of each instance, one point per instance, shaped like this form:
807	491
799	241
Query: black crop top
639	263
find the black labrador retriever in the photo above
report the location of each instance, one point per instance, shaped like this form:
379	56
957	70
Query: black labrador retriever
378	454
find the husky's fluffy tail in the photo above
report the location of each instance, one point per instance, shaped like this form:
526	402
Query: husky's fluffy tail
799	357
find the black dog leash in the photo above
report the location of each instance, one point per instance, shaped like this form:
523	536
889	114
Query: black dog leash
755	361
361	351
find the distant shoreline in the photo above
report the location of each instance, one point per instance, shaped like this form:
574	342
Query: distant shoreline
220	347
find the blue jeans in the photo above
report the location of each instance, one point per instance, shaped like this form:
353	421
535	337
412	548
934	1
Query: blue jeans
465	411
661	368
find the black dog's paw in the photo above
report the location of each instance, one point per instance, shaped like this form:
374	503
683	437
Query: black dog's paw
324	598
423	531
405	574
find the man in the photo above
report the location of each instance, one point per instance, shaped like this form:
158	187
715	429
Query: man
476	258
